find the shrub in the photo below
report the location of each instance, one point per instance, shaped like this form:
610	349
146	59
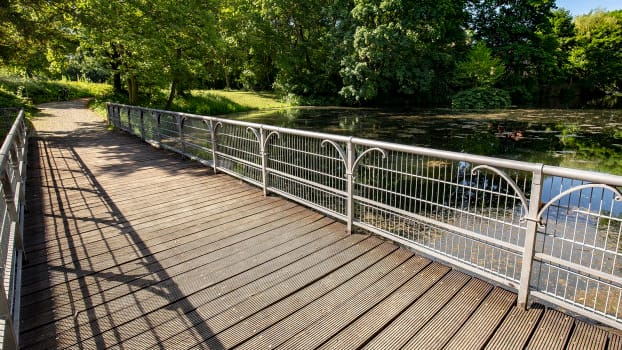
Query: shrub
481	98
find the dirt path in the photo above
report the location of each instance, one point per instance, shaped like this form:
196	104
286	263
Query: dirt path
67	118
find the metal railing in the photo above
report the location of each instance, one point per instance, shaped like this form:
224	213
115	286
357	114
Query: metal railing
547	232
12	184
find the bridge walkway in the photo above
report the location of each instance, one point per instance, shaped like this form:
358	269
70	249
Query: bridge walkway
132	247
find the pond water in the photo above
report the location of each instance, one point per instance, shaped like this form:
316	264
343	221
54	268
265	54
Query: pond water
581	139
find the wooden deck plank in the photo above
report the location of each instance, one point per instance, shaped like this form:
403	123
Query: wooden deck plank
587	337
402	328
170	258
216	299
259	301
384	255
188	282
475	333
552	332
133	247
283	320
156	227
326	327
516	329
186	260
615	342
448	321
98	259
150	225
365	327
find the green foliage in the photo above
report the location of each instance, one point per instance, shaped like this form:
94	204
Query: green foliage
518	32
403	47
29	92
480	68
597	55
315	51
481	98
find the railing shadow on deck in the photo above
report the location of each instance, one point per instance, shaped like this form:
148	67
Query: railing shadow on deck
546	232
77	309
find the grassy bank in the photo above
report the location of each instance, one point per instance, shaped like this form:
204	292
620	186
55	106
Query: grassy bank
18	92
204	102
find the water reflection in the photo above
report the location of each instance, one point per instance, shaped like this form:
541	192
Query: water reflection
590	140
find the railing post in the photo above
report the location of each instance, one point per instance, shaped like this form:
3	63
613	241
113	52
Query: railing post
212	133
264	160
156	123
108	109
530	237
180	129
129	120
142	125
350	185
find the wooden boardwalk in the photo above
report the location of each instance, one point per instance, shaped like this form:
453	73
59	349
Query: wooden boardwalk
131	247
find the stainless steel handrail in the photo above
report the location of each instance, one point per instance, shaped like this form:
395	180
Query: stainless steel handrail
13	182
546	231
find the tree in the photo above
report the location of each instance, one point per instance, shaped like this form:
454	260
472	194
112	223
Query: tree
153	42
518	31
597	54
309	36
33	32
480	68
404	47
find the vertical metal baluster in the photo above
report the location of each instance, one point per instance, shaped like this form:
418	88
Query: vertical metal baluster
5	313
530	236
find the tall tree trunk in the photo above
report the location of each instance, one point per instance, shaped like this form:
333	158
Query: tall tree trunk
176	80
116	82
171	96
133	89
115	64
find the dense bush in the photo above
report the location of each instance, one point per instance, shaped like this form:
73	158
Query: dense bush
481	98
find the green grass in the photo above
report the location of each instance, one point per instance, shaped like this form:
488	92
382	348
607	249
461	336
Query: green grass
203	102
251	100
217	102
19	92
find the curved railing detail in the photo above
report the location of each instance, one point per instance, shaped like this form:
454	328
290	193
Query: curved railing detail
617	196
423	198
511	183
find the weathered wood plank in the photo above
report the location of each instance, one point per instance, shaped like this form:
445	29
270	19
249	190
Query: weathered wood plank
516	329
552	331
365	327
448	321
587	337
478	329
409	322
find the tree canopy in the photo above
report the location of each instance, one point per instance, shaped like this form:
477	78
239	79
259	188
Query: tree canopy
339	51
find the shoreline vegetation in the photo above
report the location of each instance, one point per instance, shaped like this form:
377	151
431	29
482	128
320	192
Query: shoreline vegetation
27	93
476	54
